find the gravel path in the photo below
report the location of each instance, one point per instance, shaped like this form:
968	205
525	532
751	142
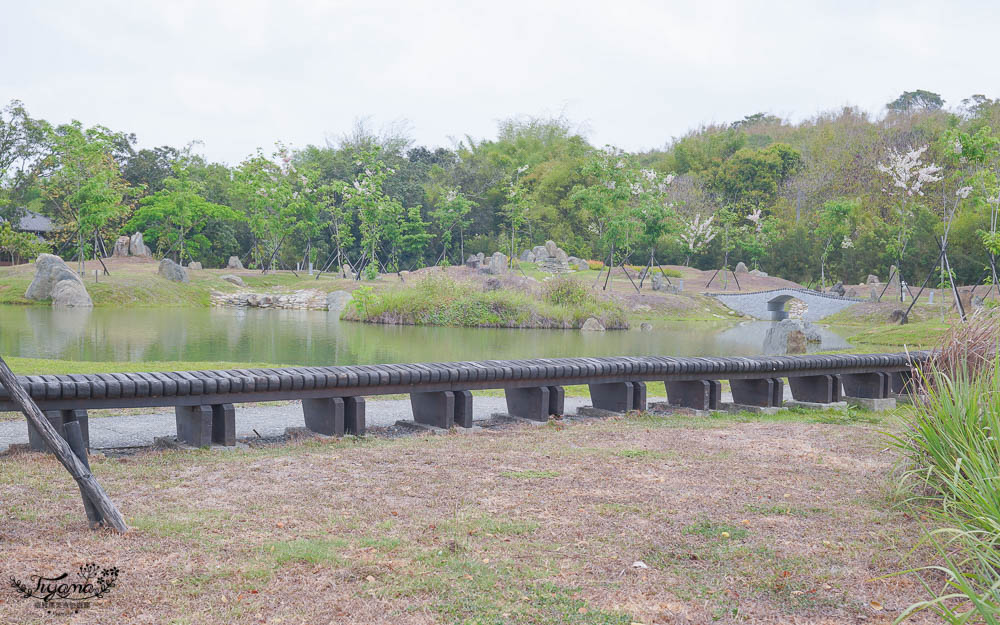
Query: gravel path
140	430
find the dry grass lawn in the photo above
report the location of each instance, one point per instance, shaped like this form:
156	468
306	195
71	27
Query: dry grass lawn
635	520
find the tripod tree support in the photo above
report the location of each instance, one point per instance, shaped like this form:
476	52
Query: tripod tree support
100	507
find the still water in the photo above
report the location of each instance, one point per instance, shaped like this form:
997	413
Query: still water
318	338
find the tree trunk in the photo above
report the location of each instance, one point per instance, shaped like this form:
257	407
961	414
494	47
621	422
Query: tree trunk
84	478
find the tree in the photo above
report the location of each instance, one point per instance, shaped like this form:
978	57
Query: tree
696	235
175	216
908	176
919	100
751	179
626	205
279	199
20	245
82	181
376	211
451	214
835	229
515	210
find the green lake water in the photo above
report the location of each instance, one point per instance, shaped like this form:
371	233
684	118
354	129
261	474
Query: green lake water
319	338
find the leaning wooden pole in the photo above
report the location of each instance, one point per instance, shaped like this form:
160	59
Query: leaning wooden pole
89	485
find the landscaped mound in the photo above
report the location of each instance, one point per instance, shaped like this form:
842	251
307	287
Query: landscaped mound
562	303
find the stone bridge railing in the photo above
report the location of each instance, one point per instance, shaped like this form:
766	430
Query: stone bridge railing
771	304
333	397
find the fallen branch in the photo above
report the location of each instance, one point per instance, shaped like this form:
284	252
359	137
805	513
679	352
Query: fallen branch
88	484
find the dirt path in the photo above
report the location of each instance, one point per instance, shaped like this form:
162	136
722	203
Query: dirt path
638	520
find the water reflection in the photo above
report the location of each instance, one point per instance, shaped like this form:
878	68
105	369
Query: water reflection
317	338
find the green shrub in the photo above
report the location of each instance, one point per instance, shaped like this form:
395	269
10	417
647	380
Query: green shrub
438	300
566	292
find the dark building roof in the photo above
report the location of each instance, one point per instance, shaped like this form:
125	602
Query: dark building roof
33	222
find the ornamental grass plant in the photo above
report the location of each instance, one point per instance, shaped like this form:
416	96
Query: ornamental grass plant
952	472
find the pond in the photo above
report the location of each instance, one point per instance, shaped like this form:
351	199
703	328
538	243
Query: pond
319	338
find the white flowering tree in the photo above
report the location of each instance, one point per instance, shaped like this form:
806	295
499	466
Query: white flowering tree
696	235
625	204
378	214
908	176
278	199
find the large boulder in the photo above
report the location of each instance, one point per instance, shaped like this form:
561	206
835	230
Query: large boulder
70	294
838	289
49	270
578	263
540	252
790	336
172	271
759	273
894	280
474	261
337	301
741	267
121	246
872	279
592	325
136	246
527	256
898	317
234	263
658	281
230	278
497	264
194	265
551	248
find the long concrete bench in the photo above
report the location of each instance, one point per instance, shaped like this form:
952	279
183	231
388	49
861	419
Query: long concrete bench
440	393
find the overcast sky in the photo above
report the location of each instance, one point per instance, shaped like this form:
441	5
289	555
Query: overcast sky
238	74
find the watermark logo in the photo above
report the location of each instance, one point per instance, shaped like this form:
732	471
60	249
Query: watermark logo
65	593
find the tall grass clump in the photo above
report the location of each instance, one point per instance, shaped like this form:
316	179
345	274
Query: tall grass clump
952	472
442	301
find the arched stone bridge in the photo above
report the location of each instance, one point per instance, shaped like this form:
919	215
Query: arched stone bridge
771	304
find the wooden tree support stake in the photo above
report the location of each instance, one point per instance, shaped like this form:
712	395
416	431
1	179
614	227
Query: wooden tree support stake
103	508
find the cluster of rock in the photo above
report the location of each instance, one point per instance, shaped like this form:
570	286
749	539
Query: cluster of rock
172	271
552	259
131	246
56	281
741	267
308	299
494	265
660	283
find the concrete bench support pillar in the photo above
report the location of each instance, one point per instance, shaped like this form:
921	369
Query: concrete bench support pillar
435	408
557	400
354	415
201	426
324	415
463	409
442	409
224	424
639	396
766	393
529	403
866	385
816	389
901	382
613	396
696	394
58	418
